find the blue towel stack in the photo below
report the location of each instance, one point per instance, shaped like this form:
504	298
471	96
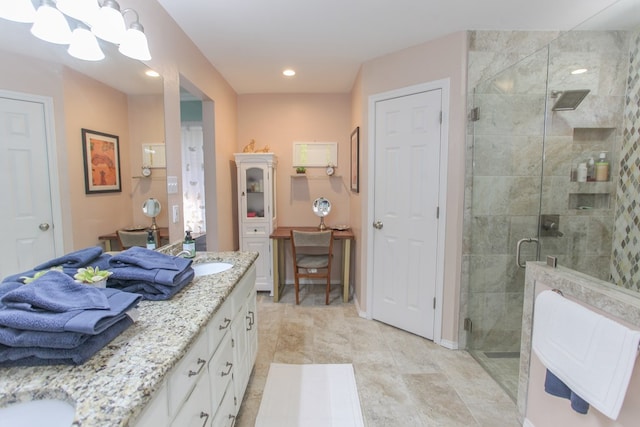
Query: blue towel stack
155	275
54	320
70	263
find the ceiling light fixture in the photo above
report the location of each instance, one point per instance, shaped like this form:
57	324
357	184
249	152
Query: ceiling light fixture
134	43
84	45
18	11
289	72
82	10
50	24
579	71
109	22
91	19
152	73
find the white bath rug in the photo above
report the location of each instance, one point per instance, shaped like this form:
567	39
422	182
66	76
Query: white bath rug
310	396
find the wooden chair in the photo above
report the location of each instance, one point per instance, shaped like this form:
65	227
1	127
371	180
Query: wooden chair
312	251
128	239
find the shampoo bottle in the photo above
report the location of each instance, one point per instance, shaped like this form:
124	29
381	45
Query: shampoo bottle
602	168
189	245
582	173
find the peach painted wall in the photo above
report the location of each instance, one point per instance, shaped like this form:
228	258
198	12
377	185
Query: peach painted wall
146	126
445	57
177	59
92	105
277	120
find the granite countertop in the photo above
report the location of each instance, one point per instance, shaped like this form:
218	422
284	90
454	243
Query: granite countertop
114	386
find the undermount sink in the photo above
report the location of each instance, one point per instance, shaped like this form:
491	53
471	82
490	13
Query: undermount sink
207	268
37	413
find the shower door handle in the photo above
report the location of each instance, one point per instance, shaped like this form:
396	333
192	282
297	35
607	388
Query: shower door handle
519	246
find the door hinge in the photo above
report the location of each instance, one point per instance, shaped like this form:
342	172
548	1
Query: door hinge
474	114
468	324
440	117
437	212
434	303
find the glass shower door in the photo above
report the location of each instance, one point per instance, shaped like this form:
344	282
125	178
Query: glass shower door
508	144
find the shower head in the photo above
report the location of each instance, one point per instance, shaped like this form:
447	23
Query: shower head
569	99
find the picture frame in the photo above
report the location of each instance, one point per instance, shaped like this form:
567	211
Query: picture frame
101	154
355	160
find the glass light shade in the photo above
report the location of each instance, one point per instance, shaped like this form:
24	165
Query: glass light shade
134	44
84	45
82	10
17	10
109	23
50	24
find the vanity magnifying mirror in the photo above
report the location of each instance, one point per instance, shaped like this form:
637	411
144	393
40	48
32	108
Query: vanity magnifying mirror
321	207
151	208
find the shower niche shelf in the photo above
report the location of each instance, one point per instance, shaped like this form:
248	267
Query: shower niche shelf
589	201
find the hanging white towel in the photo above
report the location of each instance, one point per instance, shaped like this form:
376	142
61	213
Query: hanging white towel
592	354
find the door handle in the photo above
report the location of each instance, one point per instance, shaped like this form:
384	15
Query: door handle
44	226
519	246
378	225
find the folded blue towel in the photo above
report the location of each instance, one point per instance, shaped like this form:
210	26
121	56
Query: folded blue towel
153	291
38	356
101	261
148	260
56	292
19	338
6	287
90	322
155	276
556	387
75	259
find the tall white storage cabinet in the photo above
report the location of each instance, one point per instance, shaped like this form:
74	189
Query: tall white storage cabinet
257	211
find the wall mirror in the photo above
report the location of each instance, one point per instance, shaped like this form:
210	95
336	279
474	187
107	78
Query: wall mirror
143	97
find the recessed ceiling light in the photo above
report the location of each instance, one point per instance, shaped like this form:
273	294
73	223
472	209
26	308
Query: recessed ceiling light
152	73
579	71
289	72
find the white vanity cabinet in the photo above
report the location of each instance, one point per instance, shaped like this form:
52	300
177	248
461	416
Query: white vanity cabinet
206	387
257	211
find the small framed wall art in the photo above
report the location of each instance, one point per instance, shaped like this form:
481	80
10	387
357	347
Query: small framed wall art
101	153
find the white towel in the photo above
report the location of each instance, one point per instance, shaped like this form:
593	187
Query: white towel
593	355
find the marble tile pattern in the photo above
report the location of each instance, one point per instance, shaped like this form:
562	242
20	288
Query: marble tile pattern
113	387
613	300
626	239
402	379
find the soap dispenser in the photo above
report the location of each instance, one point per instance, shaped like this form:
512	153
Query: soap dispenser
189	245
151	240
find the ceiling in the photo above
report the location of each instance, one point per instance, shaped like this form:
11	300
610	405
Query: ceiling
251	41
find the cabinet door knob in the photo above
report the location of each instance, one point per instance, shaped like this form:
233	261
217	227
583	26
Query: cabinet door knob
378	225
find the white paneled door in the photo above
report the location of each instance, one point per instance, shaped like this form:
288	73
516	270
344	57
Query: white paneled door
26	219
405	227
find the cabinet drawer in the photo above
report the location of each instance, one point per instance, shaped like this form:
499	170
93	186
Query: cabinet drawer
254	230
226	415
186	373
221	369
219	325
196	411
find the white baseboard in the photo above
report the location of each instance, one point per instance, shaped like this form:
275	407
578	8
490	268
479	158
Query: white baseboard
451	345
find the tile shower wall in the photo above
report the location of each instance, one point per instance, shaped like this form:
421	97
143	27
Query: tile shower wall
626	236
504	152
586	210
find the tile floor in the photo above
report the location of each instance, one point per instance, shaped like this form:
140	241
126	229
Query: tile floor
403	380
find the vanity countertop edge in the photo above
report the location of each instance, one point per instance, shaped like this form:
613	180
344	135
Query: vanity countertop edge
114	386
